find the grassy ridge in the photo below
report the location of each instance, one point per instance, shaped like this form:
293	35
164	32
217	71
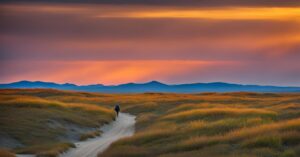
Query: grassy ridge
42	123
211	124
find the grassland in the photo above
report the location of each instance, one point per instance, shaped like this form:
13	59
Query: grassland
180	125
212	124
40	122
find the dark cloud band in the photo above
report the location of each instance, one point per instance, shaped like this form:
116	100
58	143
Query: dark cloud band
177	3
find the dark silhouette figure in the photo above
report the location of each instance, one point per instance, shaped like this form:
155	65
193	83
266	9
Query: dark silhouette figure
117	109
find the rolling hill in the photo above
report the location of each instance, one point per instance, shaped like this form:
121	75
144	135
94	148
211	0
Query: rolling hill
153	86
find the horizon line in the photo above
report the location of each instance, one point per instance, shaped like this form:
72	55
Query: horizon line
187	83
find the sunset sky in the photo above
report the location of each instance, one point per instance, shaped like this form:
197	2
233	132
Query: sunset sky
172	41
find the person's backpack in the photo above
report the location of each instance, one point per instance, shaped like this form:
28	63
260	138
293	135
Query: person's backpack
117	108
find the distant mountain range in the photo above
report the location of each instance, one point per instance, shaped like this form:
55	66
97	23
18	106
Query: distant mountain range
153	86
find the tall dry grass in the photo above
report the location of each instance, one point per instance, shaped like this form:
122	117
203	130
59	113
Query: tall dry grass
203	124
26	114
237	124
237	135
218	112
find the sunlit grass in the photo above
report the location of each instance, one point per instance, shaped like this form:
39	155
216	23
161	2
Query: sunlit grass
213	124
39	120
90	134
46	150
237	135
30	101
238	124
218	113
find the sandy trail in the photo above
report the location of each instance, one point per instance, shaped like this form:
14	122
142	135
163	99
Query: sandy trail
122	127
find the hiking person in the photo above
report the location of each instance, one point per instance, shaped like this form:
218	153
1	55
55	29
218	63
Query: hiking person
117	109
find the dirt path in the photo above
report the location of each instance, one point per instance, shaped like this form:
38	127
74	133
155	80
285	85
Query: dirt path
122	127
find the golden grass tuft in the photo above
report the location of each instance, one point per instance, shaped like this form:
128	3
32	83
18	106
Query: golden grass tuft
216	112
129	151
90	134
197	124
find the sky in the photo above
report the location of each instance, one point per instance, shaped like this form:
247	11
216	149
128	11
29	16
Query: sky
172	41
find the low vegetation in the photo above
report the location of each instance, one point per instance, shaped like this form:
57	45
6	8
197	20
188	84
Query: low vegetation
168	125
41	122
46	150
90	134
213	124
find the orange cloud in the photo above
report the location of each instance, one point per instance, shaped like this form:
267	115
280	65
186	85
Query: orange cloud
108	72
116	44
111	11
240	13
